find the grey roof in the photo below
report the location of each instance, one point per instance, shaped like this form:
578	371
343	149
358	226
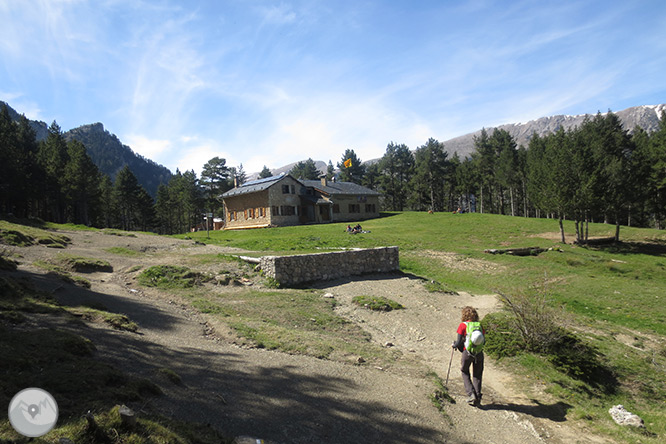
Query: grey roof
254	186
340	187
331	188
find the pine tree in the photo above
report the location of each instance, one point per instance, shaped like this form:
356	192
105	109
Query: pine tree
52	157
80	184
215	181
126	192
397	168
306	170
355	171
265	172
430	174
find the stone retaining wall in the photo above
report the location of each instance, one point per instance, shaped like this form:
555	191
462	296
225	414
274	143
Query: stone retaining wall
291	270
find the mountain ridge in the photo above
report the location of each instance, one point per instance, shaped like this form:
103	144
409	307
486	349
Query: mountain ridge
107	152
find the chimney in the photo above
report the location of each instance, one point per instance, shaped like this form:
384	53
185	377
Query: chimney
323	181
235	181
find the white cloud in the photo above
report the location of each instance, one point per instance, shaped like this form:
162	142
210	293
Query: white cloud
151	148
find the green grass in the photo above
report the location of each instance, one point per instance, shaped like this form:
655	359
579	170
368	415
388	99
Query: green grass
82	264
150	429
122	251
23	236
605	290
376	303
62	273
292	321
170	276
116	320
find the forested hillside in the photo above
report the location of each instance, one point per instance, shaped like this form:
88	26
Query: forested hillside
107	152
597	171
110	156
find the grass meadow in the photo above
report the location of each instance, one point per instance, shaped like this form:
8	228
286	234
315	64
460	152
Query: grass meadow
611	297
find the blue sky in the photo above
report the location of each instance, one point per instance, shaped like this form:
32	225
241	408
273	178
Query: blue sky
263	82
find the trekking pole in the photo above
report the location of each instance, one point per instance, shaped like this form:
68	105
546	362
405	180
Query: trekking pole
449	372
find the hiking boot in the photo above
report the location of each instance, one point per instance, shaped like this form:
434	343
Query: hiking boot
477	402
471	400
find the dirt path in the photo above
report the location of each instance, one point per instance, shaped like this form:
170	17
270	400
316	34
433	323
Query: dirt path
297	399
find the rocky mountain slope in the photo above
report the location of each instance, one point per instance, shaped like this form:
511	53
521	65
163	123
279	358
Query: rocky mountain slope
111	155
107	152
646	117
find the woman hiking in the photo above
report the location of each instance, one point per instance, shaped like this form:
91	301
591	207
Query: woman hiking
470	342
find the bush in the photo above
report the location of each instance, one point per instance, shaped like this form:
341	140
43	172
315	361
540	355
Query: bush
501	339
537	324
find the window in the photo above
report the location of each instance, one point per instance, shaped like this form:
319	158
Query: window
370	208
293	189
232	216
285	189
354	208
287	210
262	212
275	211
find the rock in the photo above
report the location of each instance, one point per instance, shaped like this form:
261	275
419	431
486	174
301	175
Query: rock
328	295
389	344
127	416
625	418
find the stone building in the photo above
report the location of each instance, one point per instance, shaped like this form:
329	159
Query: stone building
284	200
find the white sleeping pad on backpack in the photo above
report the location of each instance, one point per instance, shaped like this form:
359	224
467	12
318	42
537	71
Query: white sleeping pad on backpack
477	337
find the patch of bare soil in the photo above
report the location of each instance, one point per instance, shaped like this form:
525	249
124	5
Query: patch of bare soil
298	399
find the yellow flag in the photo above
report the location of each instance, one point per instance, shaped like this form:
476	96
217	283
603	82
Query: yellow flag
347	163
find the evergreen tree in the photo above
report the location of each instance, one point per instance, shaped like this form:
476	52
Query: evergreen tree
355	171
505	168
397	168
484	162
430	174
241	175
330	171
126	191
215	181
80	184
52	157
657	177
371	176
265	172
305	170
108	210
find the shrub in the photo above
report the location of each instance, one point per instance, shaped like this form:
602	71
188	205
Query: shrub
538	324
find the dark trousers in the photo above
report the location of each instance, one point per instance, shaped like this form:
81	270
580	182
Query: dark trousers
473	384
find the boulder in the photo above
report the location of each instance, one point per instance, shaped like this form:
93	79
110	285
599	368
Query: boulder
625	418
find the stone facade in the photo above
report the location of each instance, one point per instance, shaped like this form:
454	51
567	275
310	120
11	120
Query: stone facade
292	270
283	201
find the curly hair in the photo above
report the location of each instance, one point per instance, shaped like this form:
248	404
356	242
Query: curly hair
469	314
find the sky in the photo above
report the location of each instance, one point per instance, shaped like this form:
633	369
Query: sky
268	83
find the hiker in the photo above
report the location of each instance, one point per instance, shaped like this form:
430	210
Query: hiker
470	342
349	229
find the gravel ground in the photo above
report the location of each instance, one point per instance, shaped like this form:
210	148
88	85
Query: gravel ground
296	399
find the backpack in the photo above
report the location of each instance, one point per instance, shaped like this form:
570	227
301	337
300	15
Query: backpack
474	340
